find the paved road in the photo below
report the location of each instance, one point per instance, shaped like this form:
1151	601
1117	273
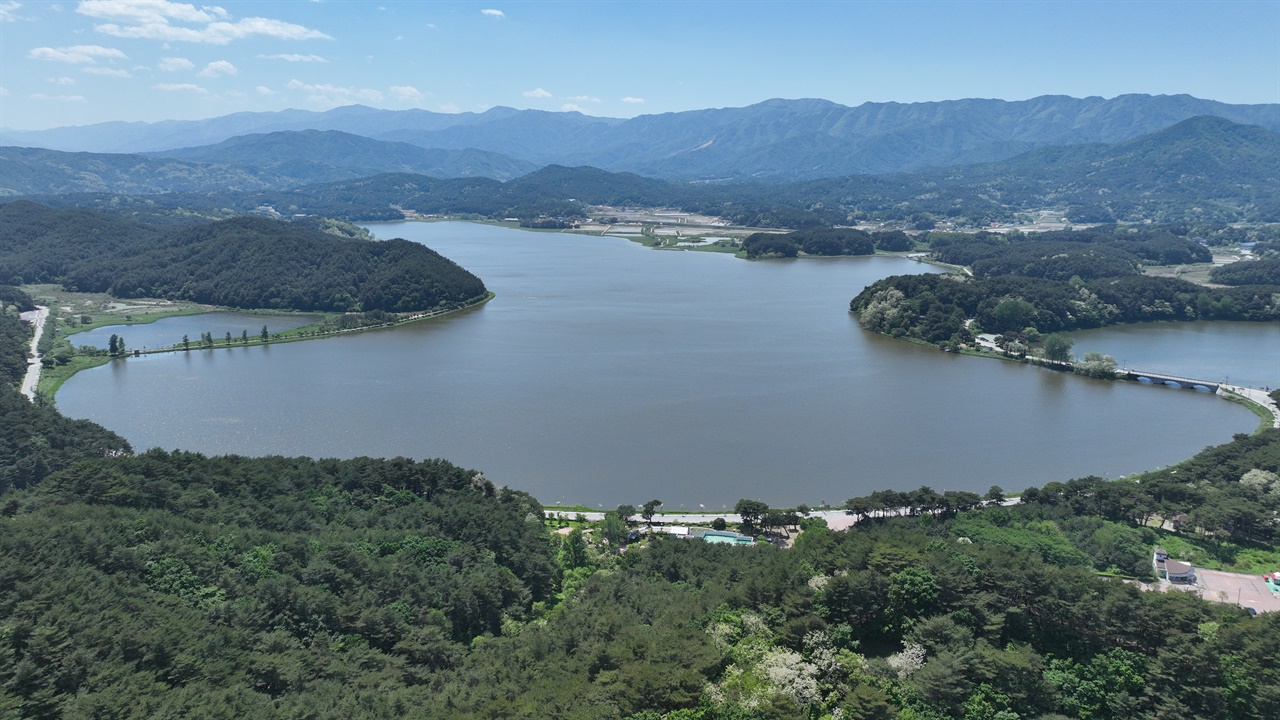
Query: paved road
1259	397
32	378
1247	591
836	519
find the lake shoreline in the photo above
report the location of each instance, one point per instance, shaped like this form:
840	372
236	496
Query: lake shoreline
1268	413
293	335
575	354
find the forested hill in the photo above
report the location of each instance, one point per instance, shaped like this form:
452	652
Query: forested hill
243	262
1055	281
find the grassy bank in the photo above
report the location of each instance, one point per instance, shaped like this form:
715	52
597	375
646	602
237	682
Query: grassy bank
52	378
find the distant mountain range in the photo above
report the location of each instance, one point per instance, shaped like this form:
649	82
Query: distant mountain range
1201	169
250	162
773	141
311	156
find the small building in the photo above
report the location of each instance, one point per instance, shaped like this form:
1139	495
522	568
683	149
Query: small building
1175	571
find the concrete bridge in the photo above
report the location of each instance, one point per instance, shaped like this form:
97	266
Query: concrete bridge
1169	380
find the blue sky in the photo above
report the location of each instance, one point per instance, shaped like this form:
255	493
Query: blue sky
75	63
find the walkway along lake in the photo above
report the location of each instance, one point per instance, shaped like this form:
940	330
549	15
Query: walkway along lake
604	372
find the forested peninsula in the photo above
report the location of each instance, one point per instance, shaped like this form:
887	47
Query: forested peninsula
1057	281
247	262
178	585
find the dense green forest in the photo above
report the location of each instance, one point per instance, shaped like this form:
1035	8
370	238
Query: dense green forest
178	585
1261	272
1058	281
14	335
933	308
824	241
1103	251
241	262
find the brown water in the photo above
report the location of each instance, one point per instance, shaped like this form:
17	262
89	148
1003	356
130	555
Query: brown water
605	372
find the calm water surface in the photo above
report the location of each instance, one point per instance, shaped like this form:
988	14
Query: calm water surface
1237	352
169	331
605	372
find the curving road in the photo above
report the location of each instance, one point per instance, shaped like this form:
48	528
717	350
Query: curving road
1257	396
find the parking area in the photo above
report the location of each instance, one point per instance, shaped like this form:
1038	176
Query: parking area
1236	589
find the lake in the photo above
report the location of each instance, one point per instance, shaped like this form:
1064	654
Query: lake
605	372
1238	353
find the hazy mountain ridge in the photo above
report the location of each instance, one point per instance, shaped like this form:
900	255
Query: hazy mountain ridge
776	140
1202	169
1206	161
347	155
273	161
31	171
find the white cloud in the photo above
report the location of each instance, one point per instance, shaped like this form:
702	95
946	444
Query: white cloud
570	107
64	80
58	98
327	94
149	11
4	92
215	33
9	10
152	20
108	72
407	93
583	98
633	100
493	13
449	108
265	91
175	64
179	87
218	68
76	54
293	57
536	93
